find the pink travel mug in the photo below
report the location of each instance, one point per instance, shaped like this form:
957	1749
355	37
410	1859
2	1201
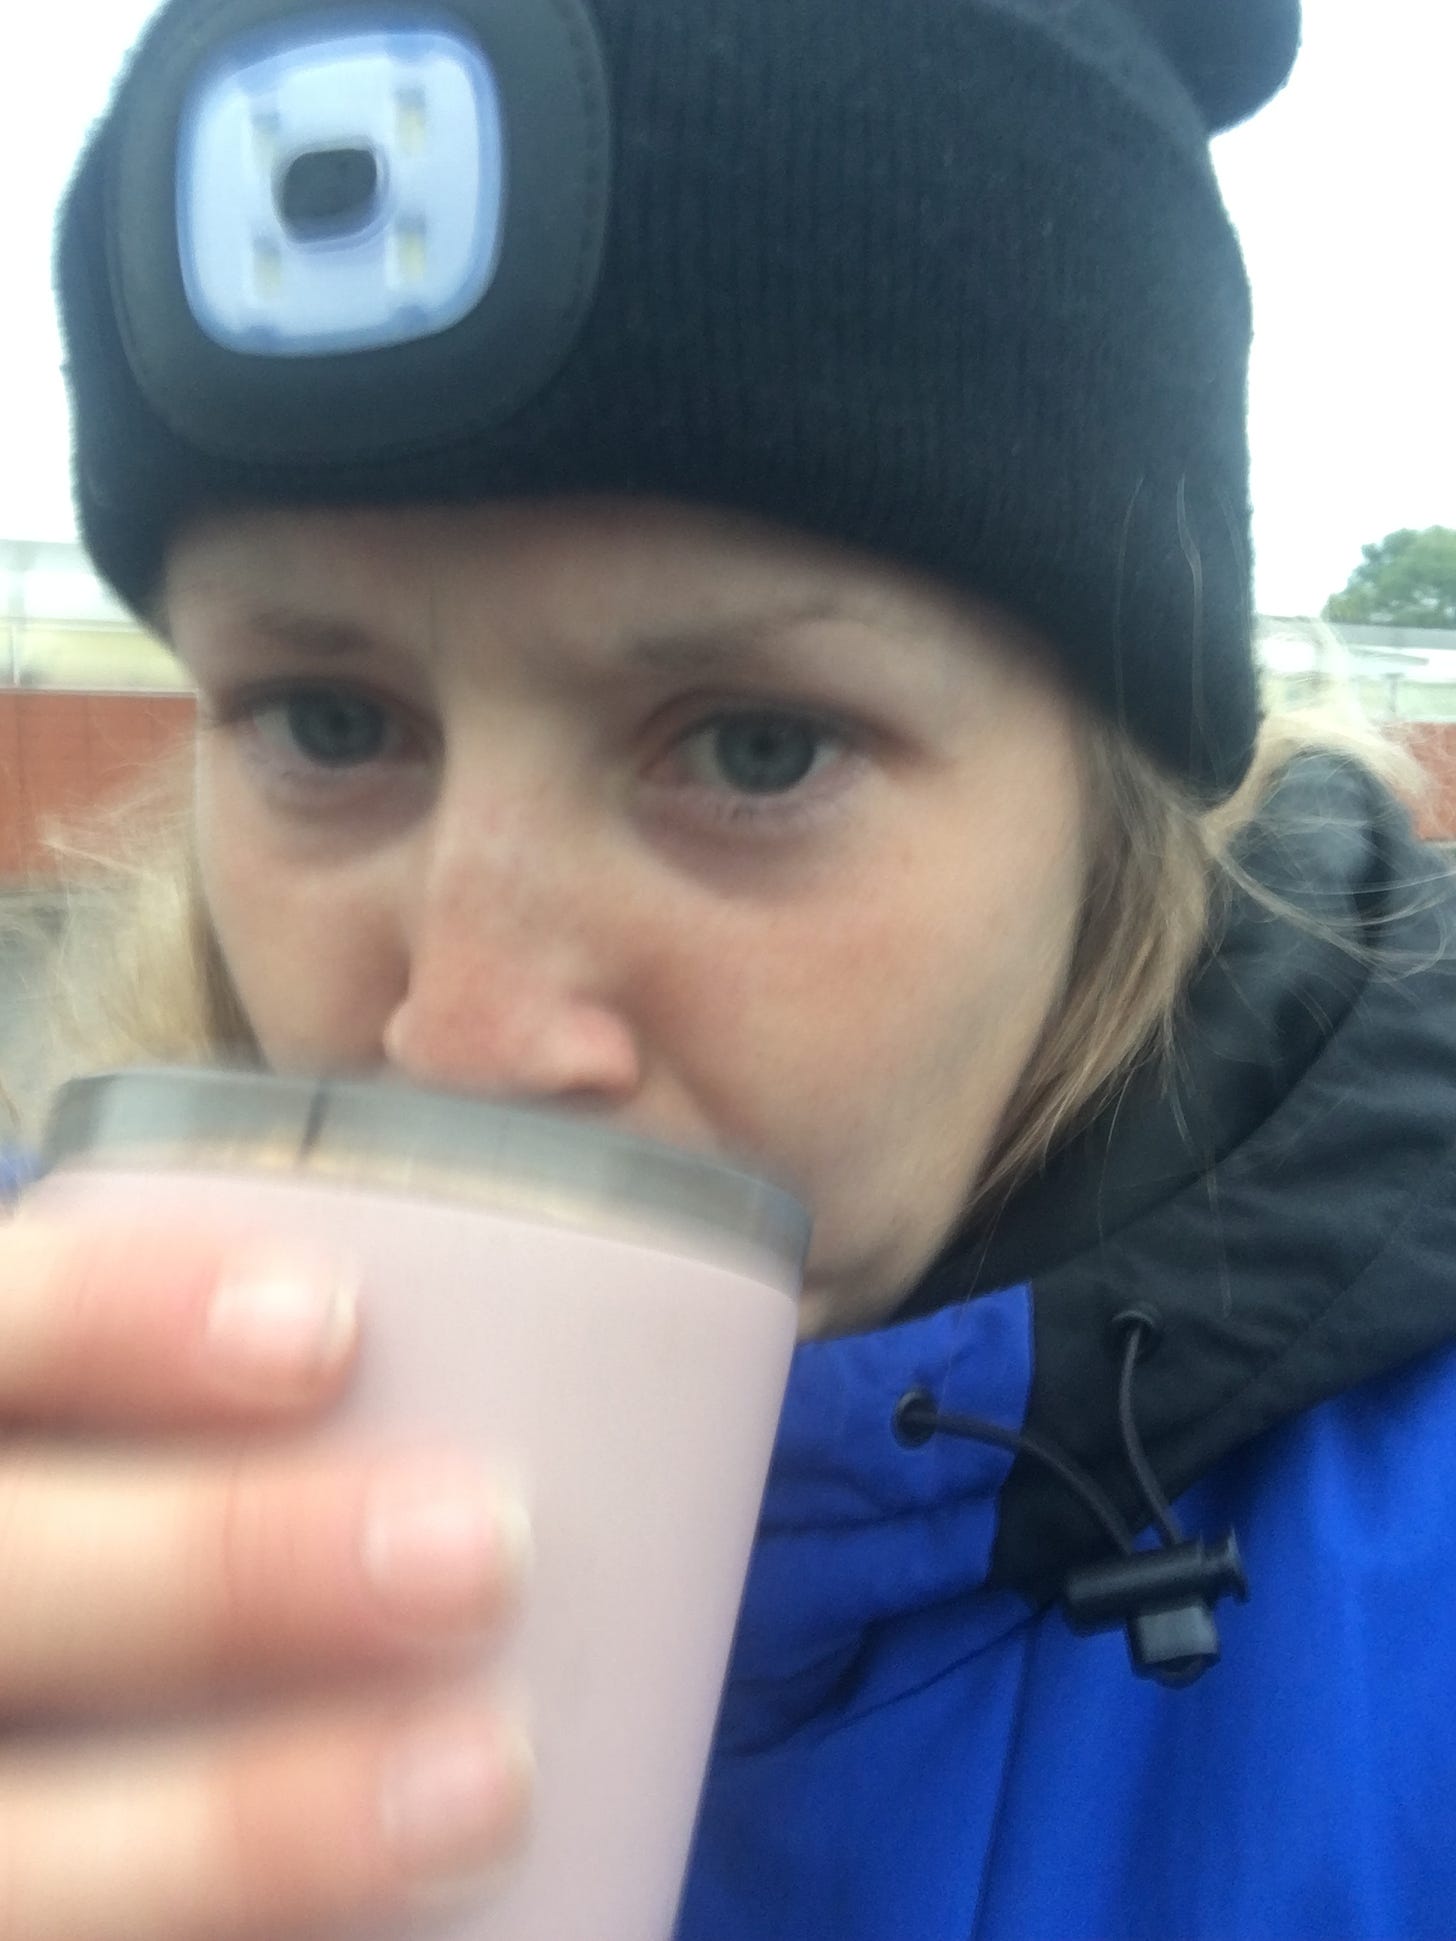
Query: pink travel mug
606	1322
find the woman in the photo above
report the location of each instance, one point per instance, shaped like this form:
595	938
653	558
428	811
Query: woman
754	645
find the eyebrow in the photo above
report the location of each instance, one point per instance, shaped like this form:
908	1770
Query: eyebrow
311	633
687	651
678	651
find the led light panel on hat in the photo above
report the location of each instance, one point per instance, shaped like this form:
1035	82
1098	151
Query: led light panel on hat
353	231
340	190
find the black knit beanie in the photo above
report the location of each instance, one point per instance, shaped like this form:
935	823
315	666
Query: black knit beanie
950	280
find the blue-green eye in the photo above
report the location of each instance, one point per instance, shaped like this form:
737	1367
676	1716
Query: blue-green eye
762	754
331	728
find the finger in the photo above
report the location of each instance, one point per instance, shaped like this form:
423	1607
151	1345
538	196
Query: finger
273	1830
125	1583
119	1325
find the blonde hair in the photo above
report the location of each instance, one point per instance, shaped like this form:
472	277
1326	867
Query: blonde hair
134	975
138	976
1161	873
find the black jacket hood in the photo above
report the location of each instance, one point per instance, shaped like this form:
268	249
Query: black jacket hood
1284	1199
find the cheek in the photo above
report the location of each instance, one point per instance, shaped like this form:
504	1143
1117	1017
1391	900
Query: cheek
311	948
867	1043
929	957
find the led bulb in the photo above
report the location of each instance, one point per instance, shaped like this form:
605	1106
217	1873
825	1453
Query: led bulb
412	121
265	138
411	251
267	269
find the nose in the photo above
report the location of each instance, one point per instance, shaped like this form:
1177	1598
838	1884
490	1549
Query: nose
515	976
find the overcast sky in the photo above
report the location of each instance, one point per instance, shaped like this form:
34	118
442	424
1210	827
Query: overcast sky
1344	192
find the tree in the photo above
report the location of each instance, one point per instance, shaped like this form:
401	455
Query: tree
1407	580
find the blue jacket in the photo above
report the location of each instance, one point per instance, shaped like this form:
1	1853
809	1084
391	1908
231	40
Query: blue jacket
914	1745
907	1755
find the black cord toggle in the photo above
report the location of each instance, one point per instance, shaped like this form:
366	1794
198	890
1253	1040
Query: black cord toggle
1164	1598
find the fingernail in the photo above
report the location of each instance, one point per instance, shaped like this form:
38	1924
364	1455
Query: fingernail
277	1323
441	1547
453	1798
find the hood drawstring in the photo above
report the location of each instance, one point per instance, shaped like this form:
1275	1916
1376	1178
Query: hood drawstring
1163	1598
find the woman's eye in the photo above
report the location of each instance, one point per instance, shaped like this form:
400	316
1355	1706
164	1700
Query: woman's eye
328	727
758	754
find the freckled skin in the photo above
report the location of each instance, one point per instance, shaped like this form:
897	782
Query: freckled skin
533	900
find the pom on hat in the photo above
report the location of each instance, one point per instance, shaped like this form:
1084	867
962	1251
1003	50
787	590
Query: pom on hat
1233	55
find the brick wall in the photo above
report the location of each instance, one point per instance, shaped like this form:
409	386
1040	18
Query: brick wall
1433	743
64	754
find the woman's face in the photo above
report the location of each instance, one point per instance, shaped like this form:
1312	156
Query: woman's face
725	836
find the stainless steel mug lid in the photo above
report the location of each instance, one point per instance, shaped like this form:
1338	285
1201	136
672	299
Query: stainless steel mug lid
531	1160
